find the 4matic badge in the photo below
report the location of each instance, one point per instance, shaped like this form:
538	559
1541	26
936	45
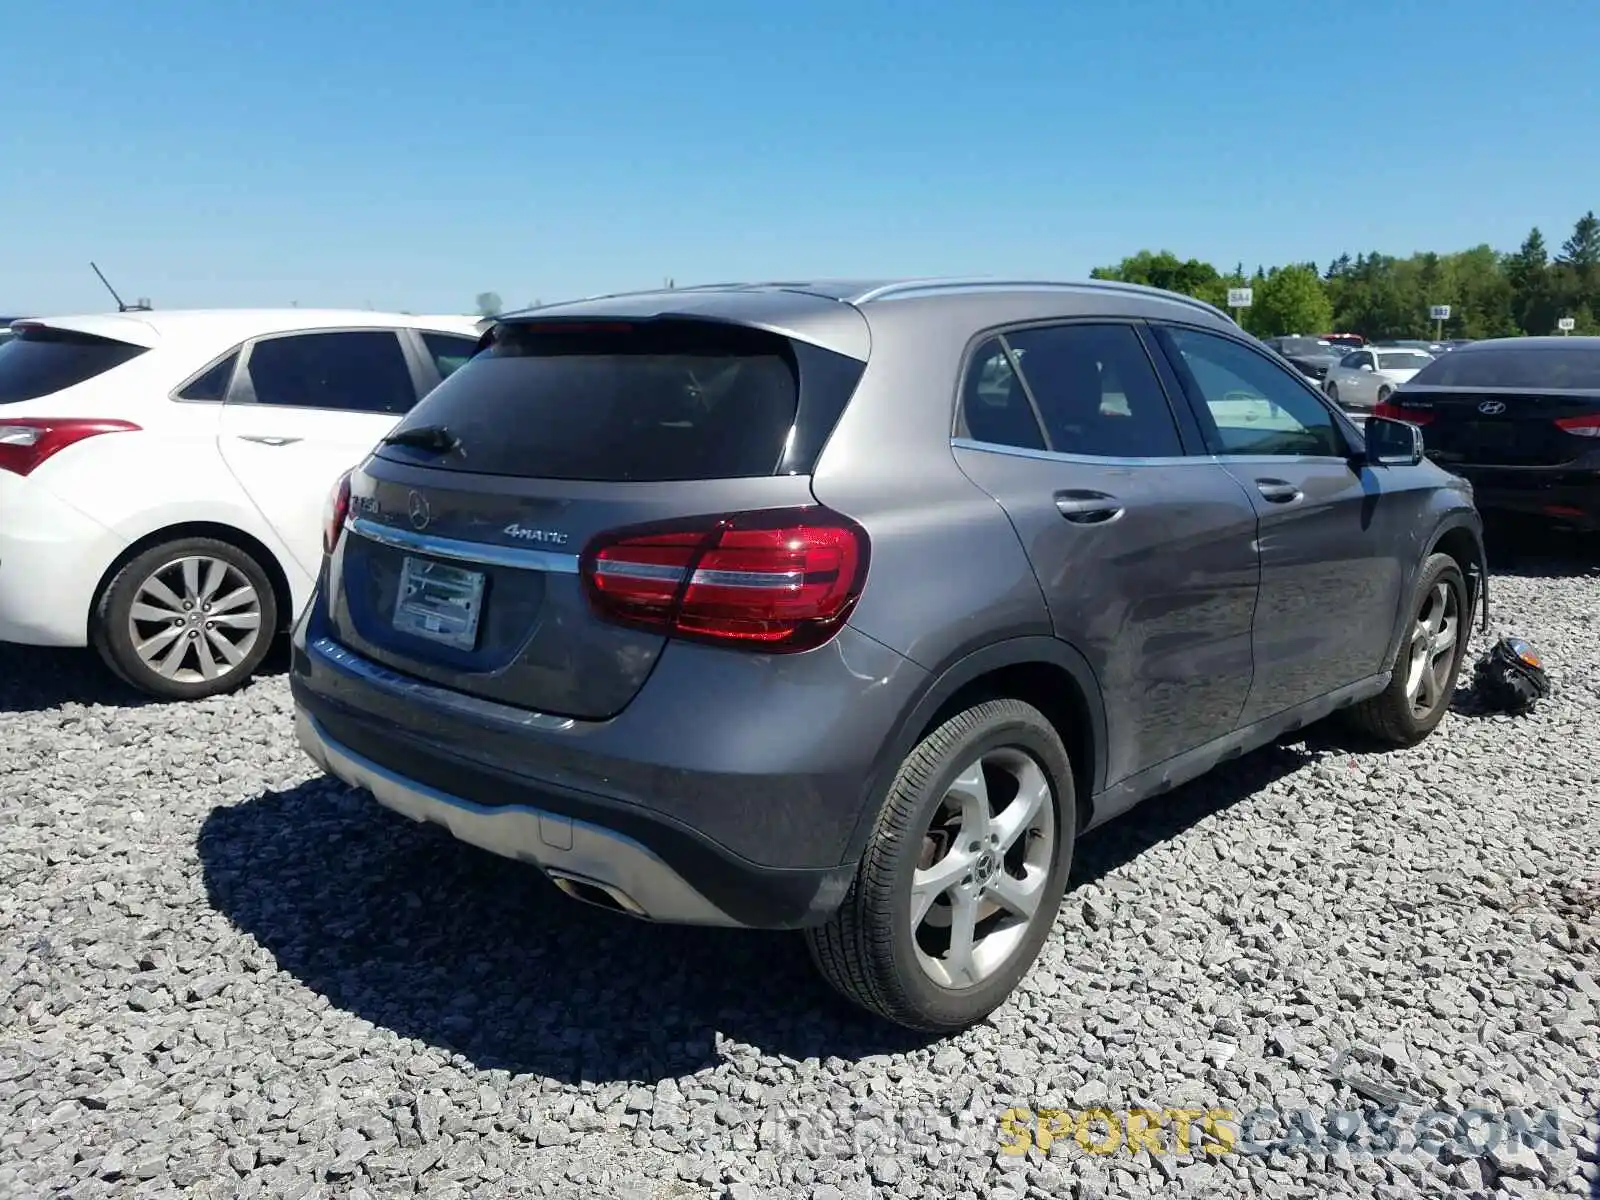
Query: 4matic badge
548	537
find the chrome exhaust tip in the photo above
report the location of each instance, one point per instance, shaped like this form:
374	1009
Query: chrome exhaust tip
600	895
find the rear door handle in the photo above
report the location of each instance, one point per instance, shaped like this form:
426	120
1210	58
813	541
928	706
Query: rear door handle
1277	491
1088	508
262	439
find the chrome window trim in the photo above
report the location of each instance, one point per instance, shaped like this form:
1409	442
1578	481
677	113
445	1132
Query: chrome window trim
1095	460
513	557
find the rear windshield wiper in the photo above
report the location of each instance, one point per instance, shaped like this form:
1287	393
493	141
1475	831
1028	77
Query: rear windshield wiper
436	438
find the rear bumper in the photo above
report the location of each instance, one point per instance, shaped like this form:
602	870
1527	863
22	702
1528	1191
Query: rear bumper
52	558
1557	492
586	860
733	808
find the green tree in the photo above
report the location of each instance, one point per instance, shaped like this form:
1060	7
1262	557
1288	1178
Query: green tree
1380	296
1581	251
1480	294
488	304
1527	266
1290	300
1163	269
1534	303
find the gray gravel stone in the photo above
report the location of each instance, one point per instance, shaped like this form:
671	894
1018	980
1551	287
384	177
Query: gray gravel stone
221	975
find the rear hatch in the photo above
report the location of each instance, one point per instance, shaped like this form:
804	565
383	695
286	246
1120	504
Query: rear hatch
48	376
1499	427
1507	405
460	564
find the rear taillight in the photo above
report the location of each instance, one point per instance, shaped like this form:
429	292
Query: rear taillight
1585	426
775	580
334	512
25	442
1399	412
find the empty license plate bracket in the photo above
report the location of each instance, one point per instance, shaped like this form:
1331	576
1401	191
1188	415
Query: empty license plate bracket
439	602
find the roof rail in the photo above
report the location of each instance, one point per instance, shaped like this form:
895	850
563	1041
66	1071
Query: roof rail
912	287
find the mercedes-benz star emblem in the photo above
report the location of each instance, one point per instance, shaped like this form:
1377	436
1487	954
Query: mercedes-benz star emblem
417	510
1492	408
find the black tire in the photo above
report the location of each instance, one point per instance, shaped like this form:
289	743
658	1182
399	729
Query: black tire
867	950
1333	392
1390	716
1384	394
111	636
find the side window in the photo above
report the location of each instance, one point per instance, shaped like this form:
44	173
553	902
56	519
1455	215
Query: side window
358	371
1097	392
1255	406
449	351
213	385
1350	361
994	407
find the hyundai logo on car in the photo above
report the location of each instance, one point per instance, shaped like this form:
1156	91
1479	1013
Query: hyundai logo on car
1492	408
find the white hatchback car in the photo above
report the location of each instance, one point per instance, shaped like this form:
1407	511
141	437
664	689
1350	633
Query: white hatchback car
163	475
1367	377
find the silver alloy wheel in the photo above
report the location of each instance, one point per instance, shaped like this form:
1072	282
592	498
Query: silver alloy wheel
195	619
981	875
1433	648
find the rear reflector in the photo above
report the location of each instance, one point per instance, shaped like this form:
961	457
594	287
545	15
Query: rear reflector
1397	412
774	580
1585	426
25	442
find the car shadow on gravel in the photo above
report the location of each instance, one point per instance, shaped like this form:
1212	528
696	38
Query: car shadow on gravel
435	940
401	925
1162	818
1534	549
39	678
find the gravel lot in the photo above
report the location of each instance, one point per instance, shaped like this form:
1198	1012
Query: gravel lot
221	976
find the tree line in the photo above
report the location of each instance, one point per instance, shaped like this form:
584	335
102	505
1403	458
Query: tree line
1382	297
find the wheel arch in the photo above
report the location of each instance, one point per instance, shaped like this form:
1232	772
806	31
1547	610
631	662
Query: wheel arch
1462	540
282	593
1460	535
1046	672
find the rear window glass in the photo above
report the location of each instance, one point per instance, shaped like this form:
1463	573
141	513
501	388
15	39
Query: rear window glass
213	385
39	361
1303	346
449	352
1403	361
656	401
1516	367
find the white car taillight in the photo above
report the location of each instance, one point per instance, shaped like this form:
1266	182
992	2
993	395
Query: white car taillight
25	442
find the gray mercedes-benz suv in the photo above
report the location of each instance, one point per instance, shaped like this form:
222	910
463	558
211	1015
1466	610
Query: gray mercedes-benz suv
849	607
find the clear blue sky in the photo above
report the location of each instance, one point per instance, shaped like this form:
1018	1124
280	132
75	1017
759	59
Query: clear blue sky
413	154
